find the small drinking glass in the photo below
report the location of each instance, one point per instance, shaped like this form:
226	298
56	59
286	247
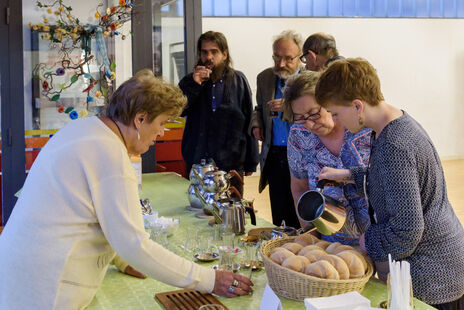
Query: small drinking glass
211	307
205	240
251	252
225	258
191	240
228	239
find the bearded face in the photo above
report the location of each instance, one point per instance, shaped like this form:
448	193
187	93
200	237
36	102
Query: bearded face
212	58
286	58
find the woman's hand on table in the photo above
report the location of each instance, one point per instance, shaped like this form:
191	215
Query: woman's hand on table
339	175
230	284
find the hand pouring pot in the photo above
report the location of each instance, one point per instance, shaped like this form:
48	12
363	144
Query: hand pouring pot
321	212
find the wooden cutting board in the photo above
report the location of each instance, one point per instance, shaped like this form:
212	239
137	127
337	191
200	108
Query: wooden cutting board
186	300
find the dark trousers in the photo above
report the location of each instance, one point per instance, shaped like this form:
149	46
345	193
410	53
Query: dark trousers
454	305
278	175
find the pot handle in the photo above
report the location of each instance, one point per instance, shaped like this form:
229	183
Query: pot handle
234	192
308	228
326	182
233	173
251	211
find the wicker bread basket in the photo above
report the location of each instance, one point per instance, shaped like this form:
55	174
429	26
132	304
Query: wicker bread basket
296	285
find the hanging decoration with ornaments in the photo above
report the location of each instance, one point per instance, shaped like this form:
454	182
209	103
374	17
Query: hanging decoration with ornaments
68	35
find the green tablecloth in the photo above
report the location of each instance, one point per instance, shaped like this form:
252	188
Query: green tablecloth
168	194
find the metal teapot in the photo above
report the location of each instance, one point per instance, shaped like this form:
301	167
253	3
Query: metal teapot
217	181
200	169
193	198
208	199
321	212
232	214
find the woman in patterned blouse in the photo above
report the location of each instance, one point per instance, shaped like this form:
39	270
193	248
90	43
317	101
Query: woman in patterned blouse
414	220
316	141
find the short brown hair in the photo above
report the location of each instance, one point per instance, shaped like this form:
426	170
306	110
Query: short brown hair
321	44
145	93
300	85
348	79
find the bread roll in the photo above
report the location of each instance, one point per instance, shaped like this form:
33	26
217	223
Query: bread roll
361	257
339	264
306	239
343	247
323	244
355	265
276	250
292	247
316	253
295	262
322	269
331	248
312	258
280	255
309	248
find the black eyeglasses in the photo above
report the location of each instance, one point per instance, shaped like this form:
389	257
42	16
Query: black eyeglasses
287	59
303	57
312	117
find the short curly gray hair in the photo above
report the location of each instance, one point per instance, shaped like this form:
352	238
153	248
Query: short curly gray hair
289	35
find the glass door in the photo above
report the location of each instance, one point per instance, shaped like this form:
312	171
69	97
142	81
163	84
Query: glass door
169	39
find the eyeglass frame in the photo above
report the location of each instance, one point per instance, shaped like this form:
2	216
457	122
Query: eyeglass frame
312	117
309	51
287	59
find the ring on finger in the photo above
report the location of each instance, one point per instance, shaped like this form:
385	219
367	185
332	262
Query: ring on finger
235	283
231	289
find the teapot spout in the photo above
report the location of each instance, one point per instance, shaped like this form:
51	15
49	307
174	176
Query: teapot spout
216	213
200	195
197	174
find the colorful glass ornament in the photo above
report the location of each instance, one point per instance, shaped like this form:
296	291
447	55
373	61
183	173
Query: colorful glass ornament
73	115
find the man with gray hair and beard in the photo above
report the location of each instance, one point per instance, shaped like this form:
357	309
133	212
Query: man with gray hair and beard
268	126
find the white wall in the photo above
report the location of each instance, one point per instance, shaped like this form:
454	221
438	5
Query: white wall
420	62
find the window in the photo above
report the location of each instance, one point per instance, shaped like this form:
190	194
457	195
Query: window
335	8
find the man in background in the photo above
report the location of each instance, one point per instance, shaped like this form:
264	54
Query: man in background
218	111
268	126
319	50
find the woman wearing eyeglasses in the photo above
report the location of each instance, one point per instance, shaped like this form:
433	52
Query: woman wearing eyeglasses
316	141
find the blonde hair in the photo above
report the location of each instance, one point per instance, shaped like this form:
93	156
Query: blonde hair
145	93
348	79
300	85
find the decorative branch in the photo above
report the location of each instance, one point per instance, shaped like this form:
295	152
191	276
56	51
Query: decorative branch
68	34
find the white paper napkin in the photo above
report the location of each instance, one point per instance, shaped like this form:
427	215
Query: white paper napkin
350	300
270	300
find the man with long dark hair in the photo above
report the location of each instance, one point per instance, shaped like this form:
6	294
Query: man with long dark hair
218	111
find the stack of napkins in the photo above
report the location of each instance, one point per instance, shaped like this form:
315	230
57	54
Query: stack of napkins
350	300
400	285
